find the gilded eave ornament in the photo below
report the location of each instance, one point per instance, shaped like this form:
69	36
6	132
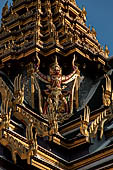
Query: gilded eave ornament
107	91
89	129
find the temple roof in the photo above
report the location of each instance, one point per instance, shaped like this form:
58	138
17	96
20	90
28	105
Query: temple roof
47	27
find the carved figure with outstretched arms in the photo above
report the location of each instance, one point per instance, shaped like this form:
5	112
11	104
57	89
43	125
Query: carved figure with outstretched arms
56	83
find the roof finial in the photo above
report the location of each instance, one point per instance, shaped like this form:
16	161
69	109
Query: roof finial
73	1
5	9
84	13
106	51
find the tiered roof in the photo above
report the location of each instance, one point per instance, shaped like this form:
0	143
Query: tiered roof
47	27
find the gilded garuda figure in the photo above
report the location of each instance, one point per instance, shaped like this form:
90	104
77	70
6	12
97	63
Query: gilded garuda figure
59	95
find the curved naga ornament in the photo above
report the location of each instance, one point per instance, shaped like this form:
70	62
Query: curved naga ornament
89	129
58	104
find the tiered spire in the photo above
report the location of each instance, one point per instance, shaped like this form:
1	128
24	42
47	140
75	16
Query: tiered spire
47	25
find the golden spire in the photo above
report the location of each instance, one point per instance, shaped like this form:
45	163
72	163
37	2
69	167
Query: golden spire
106	51
73	1
5	9
93	32
84	13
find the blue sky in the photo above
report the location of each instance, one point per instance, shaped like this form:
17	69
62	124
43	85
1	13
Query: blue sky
99	15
